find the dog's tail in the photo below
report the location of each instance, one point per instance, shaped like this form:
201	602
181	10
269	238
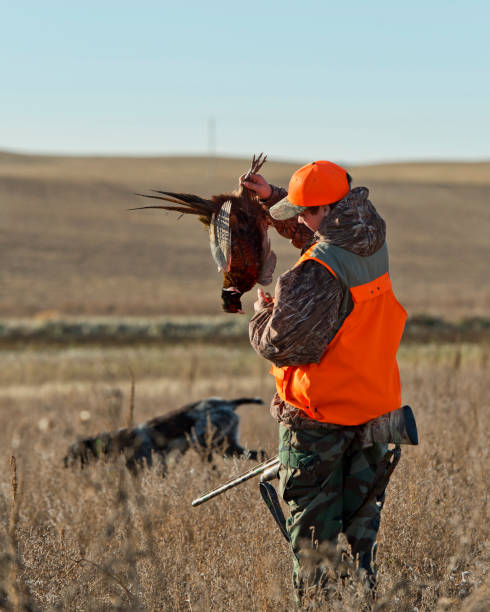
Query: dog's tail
246	400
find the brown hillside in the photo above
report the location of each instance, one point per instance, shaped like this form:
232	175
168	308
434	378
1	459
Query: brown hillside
68	243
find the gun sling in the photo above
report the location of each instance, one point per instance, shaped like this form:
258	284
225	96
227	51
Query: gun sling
269	495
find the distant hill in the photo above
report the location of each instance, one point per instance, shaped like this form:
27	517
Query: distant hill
68	243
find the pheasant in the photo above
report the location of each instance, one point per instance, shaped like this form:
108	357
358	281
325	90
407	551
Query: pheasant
237	224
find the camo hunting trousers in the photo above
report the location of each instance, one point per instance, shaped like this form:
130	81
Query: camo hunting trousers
325	477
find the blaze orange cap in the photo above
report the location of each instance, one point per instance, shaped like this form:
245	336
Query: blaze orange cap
316	184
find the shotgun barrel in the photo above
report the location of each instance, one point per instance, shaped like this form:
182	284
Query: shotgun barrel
259	469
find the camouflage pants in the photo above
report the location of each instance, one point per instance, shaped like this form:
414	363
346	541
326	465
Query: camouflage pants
325	477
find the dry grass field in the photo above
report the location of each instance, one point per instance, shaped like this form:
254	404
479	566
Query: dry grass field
101	539
69	245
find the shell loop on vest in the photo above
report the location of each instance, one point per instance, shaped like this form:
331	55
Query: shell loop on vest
370	290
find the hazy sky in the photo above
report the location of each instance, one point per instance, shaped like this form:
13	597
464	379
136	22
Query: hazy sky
351	81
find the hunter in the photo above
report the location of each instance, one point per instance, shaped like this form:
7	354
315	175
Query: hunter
331	332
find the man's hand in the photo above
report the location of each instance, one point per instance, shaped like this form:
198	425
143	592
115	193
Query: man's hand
264	299
257	183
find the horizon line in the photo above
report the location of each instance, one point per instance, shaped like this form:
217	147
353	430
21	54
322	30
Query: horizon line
218	155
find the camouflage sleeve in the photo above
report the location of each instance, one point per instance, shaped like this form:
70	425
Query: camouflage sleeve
277	194
303	319
298	233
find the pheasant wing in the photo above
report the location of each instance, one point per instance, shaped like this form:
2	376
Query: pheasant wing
220	237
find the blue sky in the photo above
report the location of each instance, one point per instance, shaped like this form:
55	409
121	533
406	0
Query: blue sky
356	81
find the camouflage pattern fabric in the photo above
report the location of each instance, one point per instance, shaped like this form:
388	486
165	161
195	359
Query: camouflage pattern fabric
325	477
310	303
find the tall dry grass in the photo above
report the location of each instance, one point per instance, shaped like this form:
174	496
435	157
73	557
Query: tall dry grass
101	539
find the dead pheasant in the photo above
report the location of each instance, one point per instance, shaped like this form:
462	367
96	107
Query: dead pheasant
238	224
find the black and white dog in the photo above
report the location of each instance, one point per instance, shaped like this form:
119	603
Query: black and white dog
209	424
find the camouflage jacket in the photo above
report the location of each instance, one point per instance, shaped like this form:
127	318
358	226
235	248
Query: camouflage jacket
305	315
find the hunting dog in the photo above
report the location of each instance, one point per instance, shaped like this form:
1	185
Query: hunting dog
208	424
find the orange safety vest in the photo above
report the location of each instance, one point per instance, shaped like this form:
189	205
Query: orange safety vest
357	378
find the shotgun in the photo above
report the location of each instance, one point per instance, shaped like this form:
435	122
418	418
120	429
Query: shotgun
268	468
396	427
